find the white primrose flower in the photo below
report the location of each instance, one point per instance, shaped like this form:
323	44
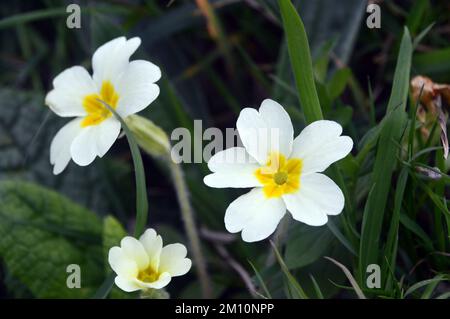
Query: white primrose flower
128	87
283	171
145	263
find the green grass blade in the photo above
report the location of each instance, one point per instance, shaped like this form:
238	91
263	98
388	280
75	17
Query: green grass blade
386	159
316	287
424	283
261	281
392	237
445	295
350	278
300	57
293	283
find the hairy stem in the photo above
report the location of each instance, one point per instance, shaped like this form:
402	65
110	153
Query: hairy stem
189	224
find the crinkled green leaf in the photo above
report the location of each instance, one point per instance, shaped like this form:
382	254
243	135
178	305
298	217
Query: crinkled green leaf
42	233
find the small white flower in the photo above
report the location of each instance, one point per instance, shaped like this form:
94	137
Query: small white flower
126	86
145	263
283	171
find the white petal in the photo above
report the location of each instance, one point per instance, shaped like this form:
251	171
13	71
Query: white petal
276	116
128	285
317	197
60	146
174	261
111	59
266	131
70	87
232	167
153	245
121	264
136	87
84	147
320	145
134	250
254	214
106	134
162	281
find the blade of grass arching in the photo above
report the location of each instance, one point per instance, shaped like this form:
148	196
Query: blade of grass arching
424	283
428	292
445	295
300	57
422	35
350	278
261	281
316	287
141	188
385	160
392	237
426	151
293	284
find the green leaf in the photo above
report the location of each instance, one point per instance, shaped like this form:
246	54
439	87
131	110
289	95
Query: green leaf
386	159
300	57
306	245
338	82
42	233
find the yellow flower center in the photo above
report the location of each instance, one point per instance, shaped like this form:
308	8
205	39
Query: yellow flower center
148	275
280	176
97	112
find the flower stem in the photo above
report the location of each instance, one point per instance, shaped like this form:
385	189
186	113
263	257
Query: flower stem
141	188
189	225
